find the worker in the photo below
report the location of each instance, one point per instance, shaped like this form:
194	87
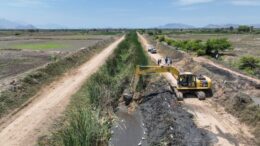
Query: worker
166	60
171	62
158	62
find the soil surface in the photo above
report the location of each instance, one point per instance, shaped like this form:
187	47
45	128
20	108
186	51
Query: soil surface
166	121
209	62
24	127
15	64
223	128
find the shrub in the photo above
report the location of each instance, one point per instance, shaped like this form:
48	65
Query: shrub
150	33
201	52
84	128
249	62
161	39
213	46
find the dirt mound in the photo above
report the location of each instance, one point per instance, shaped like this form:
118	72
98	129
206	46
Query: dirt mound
165	119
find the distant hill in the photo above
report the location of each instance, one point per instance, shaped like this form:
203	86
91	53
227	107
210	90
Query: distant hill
176	26
7	24
211	26
229	25
221	26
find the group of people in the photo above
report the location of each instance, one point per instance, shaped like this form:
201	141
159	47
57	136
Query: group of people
168	61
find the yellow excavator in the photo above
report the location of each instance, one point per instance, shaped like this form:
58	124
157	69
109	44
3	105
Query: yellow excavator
187	82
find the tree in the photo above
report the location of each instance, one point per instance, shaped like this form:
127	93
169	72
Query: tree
243	28
251	28
213	46
159	31
231	28
150	33
249	62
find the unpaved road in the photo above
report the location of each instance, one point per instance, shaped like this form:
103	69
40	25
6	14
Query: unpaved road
204	60
24	127
224	129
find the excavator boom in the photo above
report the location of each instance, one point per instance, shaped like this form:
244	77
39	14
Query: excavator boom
144	70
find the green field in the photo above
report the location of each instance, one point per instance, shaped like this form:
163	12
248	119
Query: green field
39	46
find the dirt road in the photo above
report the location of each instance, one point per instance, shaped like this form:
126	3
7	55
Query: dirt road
204	60
224	129
24	127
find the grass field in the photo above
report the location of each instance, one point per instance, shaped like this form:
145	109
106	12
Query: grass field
50	41
39	46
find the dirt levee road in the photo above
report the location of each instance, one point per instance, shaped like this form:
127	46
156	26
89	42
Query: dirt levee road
25	126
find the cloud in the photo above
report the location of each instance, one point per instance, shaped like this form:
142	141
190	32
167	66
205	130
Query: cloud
192	2
246	2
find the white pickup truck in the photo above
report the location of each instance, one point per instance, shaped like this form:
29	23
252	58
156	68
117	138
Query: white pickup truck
151	49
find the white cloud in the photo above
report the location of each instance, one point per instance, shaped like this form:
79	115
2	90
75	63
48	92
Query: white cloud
246	2
192	2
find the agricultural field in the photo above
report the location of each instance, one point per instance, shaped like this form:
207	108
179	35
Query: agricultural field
22	51
50	41
243	44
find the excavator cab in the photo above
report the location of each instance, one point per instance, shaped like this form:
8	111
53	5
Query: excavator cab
187	79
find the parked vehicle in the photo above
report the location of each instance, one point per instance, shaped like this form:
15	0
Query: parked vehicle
149	48
153	51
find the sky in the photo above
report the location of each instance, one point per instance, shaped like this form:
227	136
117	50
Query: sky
130	13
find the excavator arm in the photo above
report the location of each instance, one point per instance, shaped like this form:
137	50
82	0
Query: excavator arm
144	70
147	70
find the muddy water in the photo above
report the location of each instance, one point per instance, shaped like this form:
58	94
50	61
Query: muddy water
129	129
256	100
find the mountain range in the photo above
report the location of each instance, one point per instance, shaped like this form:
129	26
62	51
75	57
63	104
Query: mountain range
7	24
185	26
176	26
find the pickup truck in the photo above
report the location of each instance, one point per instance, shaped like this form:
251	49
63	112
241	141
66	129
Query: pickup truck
153	51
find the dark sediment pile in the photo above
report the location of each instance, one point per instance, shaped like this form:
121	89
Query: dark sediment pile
166	122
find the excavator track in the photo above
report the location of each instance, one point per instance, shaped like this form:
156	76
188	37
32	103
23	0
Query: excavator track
201	95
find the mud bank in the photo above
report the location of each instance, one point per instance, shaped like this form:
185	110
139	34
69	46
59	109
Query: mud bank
165	120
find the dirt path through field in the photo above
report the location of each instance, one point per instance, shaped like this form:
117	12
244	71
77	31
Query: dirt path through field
224	129
24	127
205	60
